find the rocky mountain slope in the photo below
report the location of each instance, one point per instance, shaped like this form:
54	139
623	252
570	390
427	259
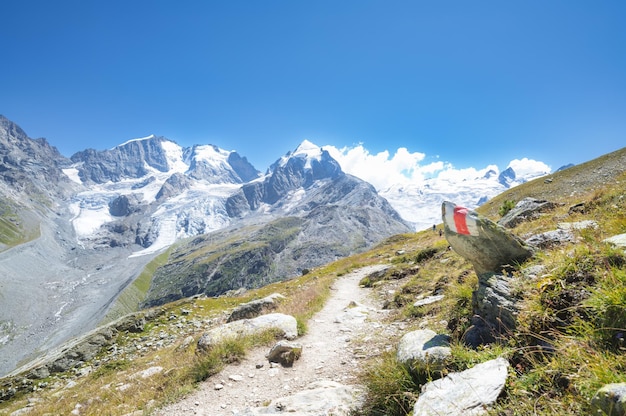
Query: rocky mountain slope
29	167
150	192
95	220
52	288
305	212
30	183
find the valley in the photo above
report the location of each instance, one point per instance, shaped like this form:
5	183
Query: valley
53	290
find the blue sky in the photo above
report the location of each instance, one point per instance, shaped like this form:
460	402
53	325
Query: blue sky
471	83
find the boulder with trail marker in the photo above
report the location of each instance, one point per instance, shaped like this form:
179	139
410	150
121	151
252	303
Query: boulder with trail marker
492	250
487	245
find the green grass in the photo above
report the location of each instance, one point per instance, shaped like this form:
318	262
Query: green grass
135	293
392	389
17	226
571	330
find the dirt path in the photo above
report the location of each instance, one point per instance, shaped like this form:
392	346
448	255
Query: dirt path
333	348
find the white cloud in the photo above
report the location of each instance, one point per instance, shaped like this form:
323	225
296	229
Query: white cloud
459	175
381	169
404	168
527	167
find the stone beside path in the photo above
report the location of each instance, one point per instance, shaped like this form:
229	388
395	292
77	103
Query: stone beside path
423	346
466	393
284	323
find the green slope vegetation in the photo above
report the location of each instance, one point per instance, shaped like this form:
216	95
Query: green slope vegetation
17	225
134	294
570	336
216	263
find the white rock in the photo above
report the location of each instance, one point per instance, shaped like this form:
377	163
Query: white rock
148	372
580	225
285	323
618	240
466	393
424	346
428	300
611	399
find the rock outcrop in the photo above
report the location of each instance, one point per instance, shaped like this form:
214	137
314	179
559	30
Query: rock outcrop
491	249
467	393
255	308
611	400
423	347
124	205
617	240
285	353
564	234
551	238
285	324
173	186
488	246
525	210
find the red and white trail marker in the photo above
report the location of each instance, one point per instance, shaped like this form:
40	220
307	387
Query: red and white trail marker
460	220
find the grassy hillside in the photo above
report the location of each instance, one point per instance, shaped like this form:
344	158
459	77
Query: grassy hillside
134	294
568	186
17	226
568	343
215	263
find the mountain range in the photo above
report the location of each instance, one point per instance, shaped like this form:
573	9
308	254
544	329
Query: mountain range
76	232
420	204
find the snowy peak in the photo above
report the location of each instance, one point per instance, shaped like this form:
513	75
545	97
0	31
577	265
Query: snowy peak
507	177
153	155
306	152
132	159
296	171
165	192
490	174
309	162
139	139
300	168
210	163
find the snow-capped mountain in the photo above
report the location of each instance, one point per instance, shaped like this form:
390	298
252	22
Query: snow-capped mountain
92	222
421	204
303	213
152	192
286	181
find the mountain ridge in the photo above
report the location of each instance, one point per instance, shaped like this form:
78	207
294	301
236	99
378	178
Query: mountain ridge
104	215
